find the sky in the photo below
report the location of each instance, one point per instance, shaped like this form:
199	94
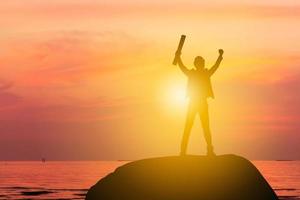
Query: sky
94	80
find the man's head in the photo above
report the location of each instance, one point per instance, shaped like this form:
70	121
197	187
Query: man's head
199	62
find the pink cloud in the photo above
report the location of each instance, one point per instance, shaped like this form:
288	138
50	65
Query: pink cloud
168	9
51	71
74	110
68	58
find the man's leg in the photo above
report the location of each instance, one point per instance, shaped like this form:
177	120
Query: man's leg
204	117
188	126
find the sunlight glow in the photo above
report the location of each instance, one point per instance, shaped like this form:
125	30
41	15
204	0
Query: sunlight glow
177	95
173	94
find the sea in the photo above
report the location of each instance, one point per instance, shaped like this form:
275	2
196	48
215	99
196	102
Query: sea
72	179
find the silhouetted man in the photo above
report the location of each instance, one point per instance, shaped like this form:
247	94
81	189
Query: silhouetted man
199	89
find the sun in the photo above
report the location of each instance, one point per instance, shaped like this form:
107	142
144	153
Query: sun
173	94
177	95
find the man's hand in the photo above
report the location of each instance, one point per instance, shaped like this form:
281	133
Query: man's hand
221	52
216	65
177	56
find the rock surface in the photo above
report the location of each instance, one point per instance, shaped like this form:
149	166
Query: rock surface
184	178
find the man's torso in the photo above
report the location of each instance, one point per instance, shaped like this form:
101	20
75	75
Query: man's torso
199	85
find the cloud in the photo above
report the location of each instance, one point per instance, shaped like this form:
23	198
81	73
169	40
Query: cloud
73	111
86	10
60	75
7	98
5	85
69	57
273	105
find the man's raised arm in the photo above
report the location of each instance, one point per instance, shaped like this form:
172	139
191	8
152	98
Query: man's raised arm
217	64
180	64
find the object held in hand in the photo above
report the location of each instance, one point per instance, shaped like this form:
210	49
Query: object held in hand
179	48
221	51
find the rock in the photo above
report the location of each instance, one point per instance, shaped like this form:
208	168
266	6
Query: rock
222	177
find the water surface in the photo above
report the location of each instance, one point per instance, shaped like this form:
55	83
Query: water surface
71	179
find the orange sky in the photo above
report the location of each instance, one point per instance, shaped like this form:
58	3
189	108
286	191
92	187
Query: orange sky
94	79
